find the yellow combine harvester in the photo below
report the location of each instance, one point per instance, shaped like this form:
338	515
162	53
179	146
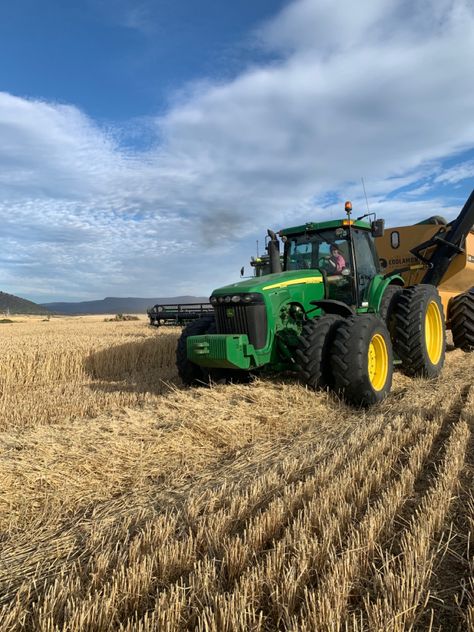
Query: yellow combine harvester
440	254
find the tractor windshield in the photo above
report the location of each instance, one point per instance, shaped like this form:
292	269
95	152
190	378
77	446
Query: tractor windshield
330	251
326	250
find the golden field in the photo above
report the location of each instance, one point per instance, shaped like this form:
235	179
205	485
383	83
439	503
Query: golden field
128	503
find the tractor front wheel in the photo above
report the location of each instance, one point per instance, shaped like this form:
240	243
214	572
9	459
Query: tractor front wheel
362	360
461	313
191	374
312	355
419	332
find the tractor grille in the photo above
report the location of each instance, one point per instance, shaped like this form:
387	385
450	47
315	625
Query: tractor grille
243	319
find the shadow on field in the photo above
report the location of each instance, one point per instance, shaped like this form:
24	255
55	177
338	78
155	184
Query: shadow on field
145	365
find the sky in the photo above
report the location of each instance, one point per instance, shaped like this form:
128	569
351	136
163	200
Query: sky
146	145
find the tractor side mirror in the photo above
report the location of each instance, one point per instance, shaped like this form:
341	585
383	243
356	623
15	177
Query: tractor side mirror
378	228
242	270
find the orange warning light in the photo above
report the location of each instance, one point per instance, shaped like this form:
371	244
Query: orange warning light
348	206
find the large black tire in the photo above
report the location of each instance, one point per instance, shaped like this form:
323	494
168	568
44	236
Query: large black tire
362	360
421	346
387	305
312	354
191	374
461	315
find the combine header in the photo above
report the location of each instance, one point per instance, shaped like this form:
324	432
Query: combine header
177	314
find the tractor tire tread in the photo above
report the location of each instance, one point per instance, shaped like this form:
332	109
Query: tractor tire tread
387	305
312	353
349	362
408	330
461	313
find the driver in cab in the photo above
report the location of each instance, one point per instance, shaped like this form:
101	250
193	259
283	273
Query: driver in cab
335	263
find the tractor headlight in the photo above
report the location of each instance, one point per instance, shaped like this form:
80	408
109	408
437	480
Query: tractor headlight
247	298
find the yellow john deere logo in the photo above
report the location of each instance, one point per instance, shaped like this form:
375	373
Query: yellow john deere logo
229	312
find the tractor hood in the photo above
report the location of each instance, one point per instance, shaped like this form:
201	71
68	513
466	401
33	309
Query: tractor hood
271	282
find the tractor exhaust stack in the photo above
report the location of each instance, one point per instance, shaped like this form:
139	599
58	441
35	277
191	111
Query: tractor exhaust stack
273	249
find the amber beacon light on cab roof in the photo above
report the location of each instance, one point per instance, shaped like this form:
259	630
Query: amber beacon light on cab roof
343	302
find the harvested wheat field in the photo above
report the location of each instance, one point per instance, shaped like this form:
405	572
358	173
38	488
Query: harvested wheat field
128	503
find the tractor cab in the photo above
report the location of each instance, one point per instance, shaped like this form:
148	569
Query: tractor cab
342	250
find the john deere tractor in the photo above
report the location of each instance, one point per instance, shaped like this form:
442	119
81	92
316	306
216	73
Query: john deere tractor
327	311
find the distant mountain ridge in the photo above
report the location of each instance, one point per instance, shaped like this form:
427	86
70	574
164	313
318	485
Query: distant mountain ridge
9	303
117	305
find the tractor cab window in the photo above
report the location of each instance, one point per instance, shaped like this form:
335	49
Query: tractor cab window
300	255
328	251
366	260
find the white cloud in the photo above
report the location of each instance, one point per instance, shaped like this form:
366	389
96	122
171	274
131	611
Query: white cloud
462	171
378	90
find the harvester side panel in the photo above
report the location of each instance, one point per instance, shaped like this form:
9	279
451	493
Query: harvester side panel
394	250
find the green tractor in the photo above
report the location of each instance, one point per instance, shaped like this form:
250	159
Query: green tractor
326	312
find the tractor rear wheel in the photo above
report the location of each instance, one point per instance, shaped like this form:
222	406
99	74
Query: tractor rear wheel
312	354
461	312
419	333
362	360
388	303
191	374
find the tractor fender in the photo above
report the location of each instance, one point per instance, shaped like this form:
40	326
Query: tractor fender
330	306
377	290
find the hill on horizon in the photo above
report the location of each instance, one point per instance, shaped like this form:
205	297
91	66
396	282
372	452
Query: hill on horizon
9	303
117	305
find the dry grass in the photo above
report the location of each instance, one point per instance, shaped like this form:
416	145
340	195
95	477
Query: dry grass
470	558
73	368
127	503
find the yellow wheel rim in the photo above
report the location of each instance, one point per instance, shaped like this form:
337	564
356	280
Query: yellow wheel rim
433	332
378	362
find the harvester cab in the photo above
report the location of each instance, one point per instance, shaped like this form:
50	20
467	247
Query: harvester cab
325	310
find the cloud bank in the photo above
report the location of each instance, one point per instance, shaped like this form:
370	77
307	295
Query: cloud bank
379	90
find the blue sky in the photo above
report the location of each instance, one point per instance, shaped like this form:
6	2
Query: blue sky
120	59
146	145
